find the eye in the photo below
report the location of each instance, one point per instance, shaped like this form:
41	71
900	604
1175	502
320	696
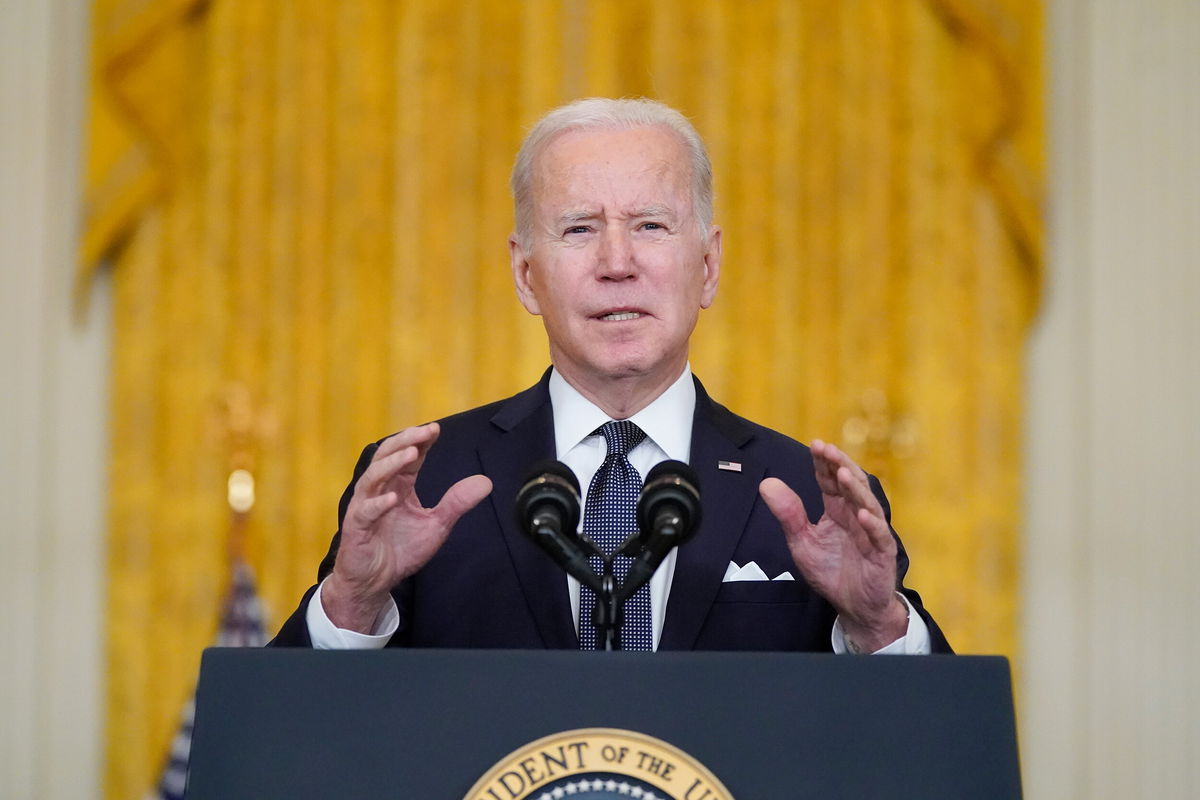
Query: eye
653	226
575	229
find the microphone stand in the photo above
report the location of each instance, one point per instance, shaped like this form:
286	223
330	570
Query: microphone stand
610	611
610	598
547	507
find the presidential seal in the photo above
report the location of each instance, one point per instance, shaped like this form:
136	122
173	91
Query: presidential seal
598	764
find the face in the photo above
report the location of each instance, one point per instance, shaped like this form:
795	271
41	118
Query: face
617	265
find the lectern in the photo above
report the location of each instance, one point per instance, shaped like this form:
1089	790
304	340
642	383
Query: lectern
428	724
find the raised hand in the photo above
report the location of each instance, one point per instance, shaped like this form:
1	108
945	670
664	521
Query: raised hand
849	554
387	534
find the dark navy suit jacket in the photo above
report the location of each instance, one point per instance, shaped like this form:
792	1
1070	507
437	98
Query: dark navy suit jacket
490	586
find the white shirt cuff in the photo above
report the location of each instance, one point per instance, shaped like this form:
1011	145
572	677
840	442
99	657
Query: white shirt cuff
914	642
327	636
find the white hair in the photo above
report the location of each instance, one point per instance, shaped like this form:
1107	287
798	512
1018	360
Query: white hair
605	113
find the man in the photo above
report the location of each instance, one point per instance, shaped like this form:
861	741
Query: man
615	249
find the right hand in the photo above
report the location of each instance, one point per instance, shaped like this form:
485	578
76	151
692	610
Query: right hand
387	534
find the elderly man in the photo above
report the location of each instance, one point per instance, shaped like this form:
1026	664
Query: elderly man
615	249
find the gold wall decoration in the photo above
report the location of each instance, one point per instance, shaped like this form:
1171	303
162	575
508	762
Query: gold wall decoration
308	199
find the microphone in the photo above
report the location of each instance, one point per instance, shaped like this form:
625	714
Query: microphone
668	515
547	511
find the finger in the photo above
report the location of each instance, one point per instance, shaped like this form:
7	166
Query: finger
419	436
867	522
824	467
400	457
428	435
878	530
854	488
461	498
789	509
827	460
829	457
839	457
381	471
870	526
370	509
785	504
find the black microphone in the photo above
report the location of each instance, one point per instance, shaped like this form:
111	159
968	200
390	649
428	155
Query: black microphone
547	510
668	515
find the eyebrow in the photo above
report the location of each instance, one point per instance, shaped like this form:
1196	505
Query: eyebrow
579	215
576	216
653	211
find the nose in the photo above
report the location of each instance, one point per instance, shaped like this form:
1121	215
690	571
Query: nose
615	260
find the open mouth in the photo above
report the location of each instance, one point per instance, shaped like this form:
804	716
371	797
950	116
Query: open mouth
620	316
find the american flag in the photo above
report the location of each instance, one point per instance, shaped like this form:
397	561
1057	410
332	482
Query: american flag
241	626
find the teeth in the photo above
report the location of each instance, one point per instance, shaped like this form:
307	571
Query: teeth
621	316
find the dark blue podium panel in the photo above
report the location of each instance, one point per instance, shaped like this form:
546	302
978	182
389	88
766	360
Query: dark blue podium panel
426	724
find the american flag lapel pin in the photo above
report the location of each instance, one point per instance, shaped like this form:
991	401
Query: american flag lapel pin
730	466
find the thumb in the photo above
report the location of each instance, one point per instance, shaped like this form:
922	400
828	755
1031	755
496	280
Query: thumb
785	504
461	498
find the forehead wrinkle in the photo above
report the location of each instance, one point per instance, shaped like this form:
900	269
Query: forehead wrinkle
567	182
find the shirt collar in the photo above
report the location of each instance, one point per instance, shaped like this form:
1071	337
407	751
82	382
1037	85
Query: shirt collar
667	421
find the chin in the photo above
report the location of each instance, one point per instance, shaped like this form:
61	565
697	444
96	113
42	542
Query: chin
632	365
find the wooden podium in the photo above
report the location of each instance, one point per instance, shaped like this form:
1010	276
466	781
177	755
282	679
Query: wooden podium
426	724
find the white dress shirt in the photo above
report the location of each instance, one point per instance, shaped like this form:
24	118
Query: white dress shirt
667	423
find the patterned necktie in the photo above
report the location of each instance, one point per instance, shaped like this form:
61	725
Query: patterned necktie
609	518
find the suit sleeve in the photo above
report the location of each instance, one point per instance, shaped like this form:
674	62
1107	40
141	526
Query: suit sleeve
294	632
937	640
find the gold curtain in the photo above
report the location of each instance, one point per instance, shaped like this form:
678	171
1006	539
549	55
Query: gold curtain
304	206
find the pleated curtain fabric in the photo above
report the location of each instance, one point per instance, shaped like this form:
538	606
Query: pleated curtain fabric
306	203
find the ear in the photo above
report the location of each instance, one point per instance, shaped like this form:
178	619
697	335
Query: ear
712	267
521	268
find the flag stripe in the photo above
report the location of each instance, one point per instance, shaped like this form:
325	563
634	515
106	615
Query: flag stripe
241	626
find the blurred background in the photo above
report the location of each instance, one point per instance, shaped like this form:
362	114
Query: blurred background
242	239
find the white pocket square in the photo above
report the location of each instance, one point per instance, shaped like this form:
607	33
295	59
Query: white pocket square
751	572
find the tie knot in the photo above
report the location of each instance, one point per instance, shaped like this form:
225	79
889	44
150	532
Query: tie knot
621	436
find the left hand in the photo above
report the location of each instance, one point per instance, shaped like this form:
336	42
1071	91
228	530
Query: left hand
849	555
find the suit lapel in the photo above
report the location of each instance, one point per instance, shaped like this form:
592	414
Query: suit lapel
524	435
727	496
